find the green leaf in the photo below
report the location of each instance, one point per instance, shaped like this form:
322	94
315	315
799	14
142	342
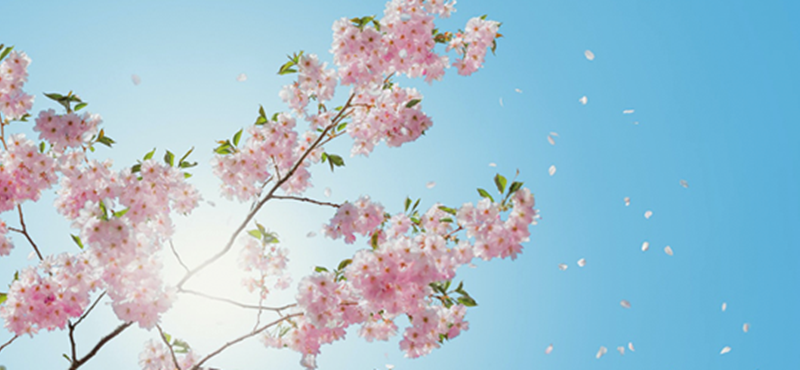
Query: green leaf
224	148
169	158
261	120
344	264
5	52
136	168
500	181
341	126
320	269
261	112
236	137
446	219
413	103
187	164
180	346
467	301
415	205
255	233
448	210
187	175
324	157
516	185
408	203
105	140
3	297
77	240
274	117
55	96
460	287
335	160
103	209
187	156
167	337
485	194
41	147
16	275
121	213
80	106
373	241
150	155
67	357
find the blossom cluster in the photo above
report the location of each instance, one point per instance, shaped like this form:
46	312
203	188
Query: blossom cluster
268	260
5	243
66	130
156	356
14	103
314	81
271	150
398	275
24	172
47	301
479	35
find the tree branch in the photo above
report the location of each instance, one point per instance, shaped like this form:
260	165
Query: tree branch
242	305
243	337
178	257
24	231
9	342
269	196
321	203
171	351
78	363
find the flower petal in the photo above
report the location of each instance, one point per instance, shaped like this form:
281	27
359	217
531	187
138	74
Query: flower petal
584	100
552	170
725	350
668	250
582	262
648	214
625	304
588	54
645	246
549	349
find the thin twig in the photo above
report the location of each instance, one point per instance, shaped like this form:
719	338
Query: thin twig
24	231
96	301
171	351
243	337
9	342
261	203
78	363
178	257
334	205
242	305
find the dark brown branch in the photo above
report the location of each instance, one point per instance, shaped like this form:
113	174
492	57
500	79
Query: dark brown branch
242	305
9	342
243	337
334	205
269	196
72	326
96	301
78	363
171	351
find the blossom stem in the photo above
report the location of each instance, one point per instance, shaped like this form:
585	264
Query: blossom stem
171	351
334	205
24	231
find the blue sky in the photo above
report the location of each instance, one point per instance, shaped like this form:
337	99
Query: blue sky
714	89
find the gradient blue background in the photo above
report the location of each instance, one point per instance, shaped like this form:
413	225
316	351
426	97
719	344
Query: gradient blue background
714	85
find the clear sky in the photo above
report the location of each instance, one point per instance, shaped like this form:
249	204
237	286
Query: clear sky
713	85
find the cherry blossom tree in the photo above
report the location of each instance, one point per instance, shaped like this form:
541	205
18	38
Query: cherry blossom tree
123	218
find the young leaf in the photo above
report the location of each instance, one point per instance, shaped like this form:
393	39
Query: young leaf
516	185
121	213
3	297
80	106
150	154
408	203
260	121
500	181
320	269
105	140
77	240
187	156
413	103
448	210
67	357
261	112
169	158
5	52
136	168
255	233
236	137
485	194
41	147
344	264
467	301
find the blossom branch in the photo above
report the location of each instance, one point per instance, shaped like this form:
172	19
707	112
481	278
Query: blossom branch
243	337
269	196
78	363
171	351
24	231
178	257
242	305
9	342
317	202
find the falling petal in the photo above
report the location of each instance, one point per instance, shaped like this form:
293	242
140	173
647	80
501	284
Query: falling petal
549	349
552	170
554	134
518	90
684	184
621	350
630	346
501	102
390	367
241	77
625	304
589	55
724	306
584	100
627	111
746	327
327	192
725	350
31	255
550	140
668	251
311	234
430	184
627	201
582	262
648	214
645	246
492	164
562	266
601	352
136	80
636	123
